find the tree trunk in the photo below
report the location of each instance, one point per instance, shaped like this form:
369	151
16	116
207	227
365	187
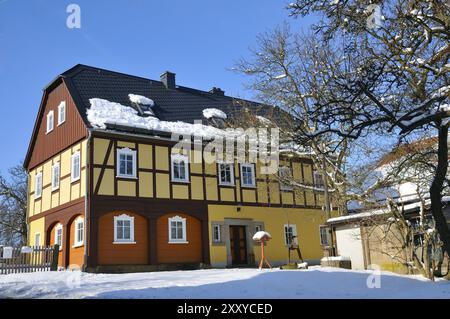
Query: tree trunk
436	188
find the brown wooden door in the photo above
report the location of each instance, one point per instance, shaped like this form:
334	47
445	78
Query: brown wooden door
238	245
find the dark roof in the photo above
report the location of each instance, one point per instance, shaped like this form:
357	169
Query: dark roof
179	104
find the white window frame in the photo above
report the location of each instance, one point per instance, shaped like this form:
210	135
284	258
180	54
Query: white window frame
50	121
72	164
231	182
182	240
327	235
61	112
294	233
37	242
56	182
126	151
59	228
38	185
248	165
317	175
283	186
179	157
77	242
130	240
218	228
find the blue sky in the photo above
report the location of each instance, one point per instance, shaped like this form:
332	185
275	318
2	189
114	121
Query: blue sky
198	40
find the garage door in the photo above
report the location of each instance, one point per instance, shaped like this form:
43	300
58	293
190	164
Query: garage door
349	244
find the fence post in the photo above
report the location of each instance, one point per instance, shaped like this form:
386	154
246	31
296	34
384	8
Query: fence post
55	255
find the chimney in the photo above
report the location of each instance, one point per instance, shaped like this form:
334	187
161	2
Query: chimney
168	79
217	91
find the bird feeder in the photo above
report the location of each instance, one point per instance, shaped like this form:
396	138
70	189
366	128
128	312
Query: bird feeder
262	237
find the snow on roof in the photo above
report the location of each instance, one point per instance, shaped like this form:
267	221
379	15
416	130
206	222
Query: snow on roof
139	99
261	235
212	112
104	112
351	217
381	211
263	120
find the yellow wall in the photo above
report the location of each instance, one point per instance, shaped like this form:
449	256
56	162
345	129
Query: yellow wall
36	226
67	191
164	188
274	219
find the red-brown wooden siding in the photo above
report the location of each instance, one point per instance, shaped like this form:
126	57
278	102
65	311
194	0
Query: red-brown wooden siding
72	130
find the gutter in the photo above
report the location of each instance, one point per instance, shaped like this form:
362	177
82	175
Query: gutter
87	200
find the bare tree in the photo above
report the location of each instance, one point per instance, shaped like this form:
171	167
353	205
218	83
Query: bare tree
399	80
13	206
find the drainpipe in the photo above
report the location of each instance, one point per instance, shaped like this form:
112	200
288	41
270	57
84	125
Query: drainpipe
86	200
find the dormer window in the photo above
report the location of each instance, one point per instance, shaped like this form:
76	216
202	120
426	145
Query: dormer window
62	112
50	121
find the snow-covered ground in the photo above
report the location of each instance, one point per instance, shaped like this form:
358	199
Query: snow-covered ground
315	282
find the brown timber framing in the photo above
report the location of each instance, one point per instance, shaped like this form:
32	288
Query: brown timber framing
153	142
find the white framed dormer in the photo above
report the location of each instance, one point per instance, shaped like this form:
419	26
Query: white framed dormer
55	176
79	232
124	229
75	166
38	185
61	112
226	174
248	175
50	121
59	236
177	230
126	163
179	165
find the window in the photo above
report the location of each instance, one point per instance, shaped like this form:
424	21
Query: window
55	176
318	180
79	232
226	174
324	235
126	159
216	234
50	121
37	239
248	175
177	230
285	175
62	112
38	185
59	236
180	168
290	234
75	166
257	228
124	229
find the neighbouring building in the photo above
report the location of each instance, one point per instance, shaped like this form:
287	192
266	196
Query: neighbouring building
368	235
105	186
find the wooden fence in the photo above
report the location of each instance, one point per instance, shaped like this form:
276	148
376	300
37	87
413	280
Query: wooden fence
39	258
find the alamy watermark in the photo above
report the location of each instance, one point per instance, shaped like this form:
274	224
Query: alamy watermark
252	145
374	279
73	20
